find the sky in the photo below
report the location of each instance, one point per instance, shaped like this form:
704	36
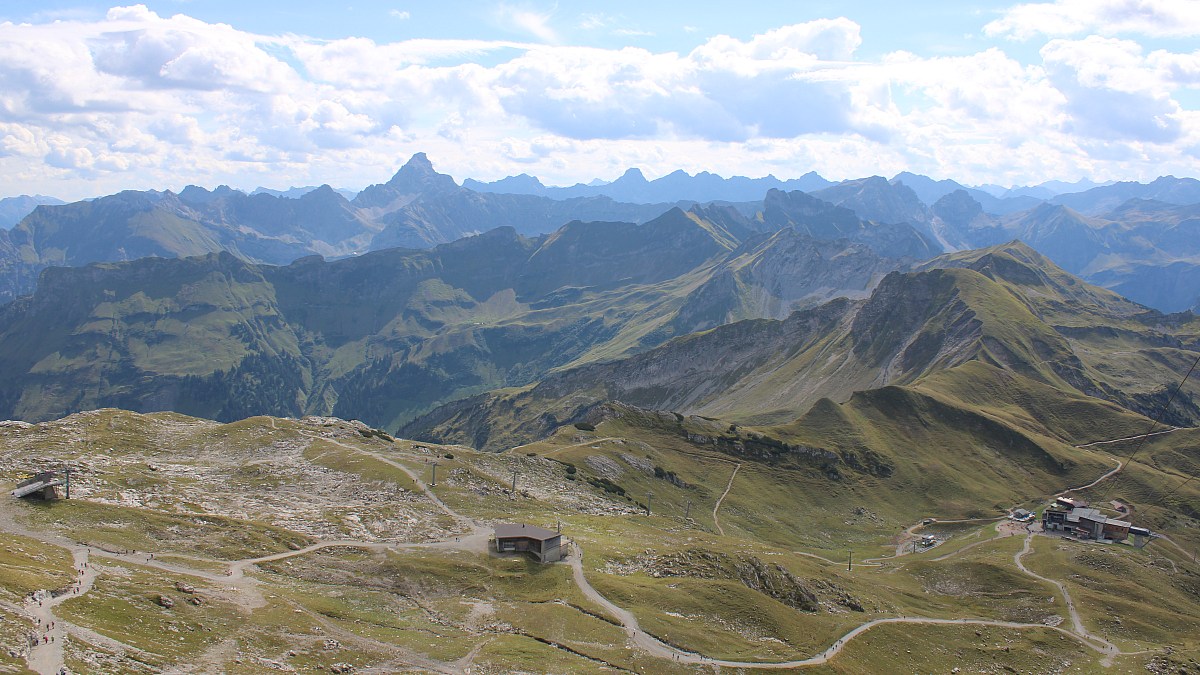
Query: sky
97	98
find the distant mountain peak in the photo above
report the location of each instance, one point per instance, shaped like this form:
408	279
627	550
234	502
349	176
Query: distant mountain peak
416	177
419	160
419	169
633	175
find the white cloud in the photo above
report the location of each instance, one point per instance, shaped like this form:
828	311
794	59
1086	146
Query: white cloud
1159	18
1111	90
528	21
400	14
774	85
136	100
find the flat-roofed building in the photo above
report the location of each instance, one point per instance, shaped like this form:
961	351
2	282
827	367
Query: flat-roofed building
545	545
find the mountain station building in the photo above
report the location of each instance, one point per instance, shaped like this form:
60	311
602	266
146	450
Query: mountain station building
1084	523
545	545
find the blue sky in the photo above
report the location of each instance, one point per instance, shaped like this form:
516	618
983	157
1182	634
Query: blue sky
97	97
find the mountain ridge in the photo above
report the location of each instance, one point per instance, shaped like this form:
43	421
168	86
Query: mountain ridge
1004	307
384	335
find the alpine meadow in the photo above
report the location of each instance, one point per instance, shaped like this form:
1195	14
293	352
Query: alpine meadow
534	337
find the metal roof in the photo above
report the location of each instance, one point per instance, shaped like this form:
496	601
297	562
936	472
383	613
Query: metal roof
29	488
521	530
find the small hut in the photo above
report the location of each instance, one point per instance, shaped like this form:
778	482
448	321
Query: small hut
545	545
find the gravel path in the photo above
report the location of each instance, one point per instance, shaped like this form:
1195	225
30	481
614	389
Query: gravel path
717	506
1077	628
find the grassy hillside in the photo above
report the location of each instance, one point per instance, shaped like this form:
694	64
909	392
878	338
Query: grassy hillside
1005	308
742	555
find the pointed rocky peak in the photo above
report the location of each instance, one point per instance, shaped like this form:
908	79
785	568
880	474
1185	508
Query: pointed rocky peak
871	183
674	216
521	184
523	180
415	178
727	218
927	189
998	262
1020	267
418	175
809	182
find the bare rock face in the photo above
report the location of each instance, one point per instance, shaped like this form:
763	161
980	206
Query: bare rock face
165	602
775	581
604	466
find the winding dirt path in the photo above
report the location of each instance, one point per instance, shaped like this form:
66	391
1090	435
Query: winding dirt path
660	649
1187	554
1077	628
1101	479
907	535
1130	438
717	506
564	448
46	657
464	521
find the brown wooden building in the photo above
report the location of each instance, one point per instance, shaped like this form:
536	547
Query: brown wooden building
545	545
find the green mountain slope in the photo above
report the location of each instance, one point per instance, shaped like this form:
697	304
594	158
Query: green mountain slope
1007	308
388	335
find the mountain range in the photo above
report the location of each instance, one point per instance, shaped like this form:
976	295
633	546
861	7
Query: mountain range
1125	242
417	208
386	335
